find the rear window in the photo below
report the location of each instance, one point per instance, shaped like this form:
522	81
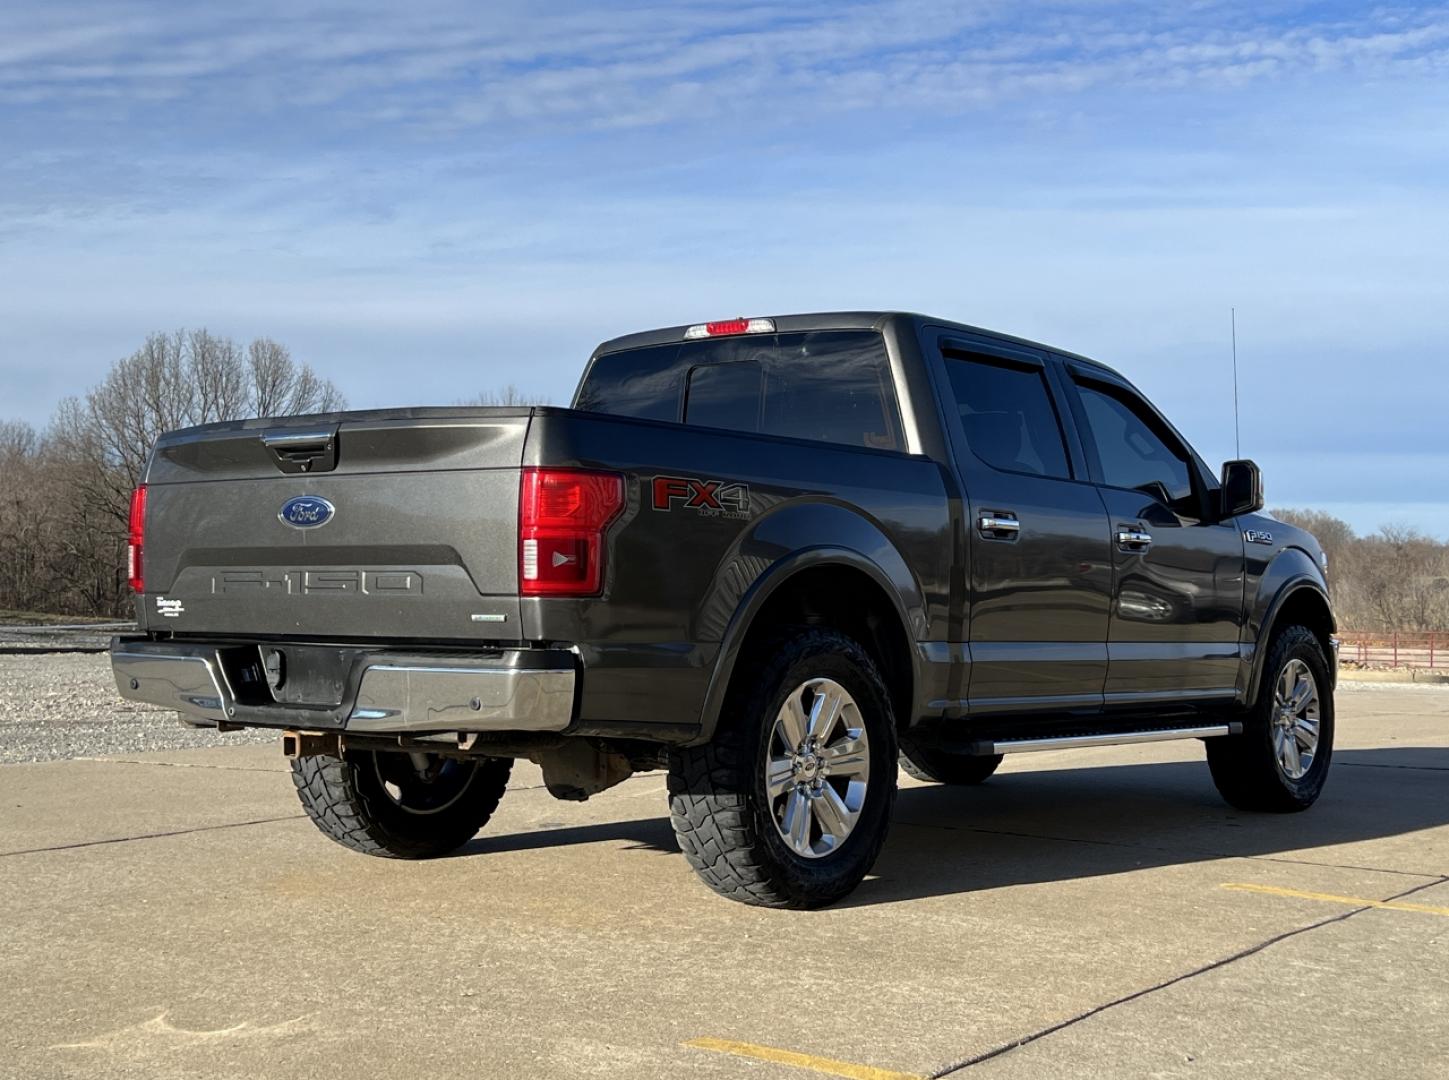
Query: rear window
828	385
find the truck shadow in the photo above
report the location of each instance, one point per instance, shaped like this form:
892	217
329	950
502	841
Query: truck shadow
1031	827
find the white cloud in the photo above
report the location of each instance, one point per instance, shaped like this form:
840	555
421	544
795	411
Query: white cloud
450	67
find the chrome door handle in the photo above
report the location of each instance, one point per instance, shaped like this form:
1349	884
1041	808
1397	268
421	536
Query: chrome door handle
998	525
1133	538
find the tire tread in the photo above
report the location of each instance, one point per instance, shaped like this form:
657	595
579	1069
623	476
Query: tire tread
1243	767
328	789
710	809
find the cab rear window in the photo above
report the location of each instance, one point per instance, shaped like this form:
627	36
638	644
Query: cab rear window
827	385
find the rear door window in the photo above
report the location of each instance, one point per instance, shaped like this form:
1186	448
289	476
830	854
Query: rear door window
1007	415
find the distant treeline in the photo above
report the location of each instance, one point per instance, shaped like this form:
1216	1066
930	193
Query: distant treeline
1394	579
65	491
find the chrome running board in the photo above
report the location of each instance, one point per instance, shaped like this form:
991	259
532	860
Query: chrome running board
1120	738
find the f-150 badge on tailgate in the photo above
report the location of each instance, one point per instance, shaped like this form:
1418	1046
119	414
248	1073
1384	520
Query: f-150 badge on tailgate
306	512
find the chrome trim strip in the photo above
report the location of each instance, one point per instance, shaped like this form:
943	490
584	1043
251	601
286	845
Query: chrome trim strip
1125	738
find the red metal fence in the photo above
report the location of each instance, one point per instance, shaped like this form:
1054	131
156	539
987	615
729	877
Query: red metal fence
1401	648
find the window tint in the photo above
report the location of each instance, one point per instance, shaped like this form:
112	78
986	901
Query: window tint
1008	416
1132	452
725	396
830	385
835	387
641	382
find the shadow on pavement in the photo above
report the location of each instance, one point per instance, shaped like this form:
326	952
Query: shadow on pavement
1069	823
1072	823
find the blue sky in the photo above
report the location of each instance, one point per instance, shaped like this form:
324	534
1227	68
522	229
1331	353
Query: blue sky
432	199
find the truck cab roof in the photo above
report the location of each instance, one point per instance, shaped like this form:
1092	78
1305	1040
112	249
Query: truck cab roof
842	320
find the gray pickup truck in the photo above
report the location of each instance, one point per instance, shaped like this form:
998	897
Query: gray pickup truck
774	557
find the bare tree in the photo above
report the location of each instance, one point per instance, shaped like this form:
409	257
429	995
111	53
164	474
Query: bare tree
282	387
508	395
64	498
217	369
17	441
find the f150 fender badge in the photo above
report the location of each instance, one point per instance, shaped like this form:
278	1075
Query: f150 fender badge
1257	536
306	512
711	497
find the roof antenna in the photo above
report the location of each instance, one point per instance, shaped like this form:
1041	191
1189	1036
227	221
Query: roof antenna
1237	431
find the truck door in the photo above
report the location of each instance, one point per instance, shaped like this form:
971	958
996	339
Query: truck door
1039	565
1177	606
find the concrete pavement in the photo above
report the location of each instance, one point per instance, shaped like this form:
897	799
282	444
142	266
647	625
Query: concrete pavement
174	915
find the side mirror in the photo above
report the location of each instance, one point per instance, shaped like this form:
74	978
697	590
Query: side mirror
1242	491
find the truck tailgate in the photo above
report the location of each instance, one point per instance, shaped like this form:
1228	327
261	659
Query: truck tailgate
349	526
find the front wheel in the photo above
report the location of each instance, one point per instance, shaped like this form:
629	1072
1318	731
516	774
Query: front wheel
789	805
399	805
1280	762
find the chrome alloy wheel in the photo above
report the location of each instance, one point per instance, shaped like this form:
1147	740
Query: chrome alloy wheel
817	768
1295	719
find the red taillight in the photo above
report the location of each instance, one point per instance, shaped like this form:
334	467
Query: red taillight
136	541
562	514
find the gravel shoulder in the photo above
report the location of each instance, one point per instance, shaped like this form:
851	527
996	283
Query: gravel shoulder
65	705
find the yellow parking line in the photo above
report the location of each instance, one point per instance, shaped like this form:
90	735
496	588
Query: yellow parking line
1330	898
828	1066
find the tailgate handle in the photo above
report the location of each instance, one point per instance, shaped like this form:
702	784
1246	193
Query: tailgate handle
314	450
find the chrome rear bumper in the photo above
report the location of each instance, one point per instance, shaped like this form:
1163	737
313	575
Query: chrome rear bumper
385	692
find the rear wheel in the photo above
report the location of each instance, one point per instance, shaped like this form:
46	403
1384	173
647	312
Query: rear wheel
1280	761
943	767
399	805
789	805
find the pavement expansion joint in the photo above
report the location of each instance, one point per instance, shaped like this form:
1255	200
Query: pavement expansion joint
1006	1048
175	764
151	836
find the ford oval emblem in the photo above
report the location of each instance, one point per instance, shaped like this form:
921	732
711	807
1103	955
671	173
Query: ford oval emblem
306	512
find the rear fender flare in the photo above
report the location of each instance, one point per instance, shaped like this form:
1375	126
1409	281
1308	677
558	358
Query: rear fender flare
831	536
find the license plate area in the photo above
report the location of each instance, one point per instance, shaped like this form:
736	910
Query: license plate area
314	675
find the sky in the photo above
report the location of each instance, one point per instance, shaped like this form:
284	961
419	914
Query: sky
429	200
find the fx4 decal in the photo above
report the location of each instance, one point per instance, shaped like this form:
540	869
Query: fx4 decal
712	497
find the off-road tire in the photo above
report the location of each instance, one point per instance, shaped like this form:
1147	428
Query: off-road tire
944	767
717	799
346	800
1245	767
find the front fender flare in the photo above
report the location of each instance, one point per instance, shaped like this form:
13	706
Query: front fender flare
1290	573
